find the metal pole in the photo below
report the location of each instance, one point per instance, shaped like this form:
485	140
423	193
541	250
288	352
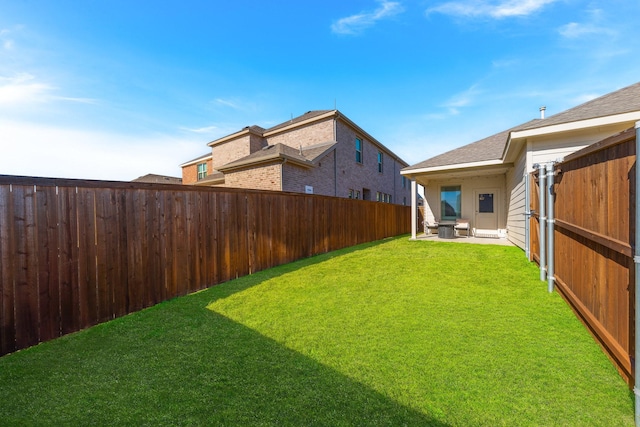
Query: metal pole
636	259
414	208
543	222
550	228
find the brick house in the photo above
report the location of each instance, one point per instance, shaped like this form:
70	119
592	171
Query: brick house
320	152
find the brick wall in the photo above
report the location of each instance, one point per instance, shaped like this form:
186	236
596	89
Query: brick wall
321	178
262	177
190	172
365	175
305	136
229	151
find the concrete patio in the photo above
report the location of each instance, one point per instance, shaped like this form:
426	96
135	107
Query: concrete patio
463	239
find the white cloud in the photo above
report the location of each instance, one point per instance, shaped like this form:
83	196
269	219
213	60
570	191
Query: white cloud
22	89
33	149
592	26
7	42
227	103
492	9
355	24
205	129
462	99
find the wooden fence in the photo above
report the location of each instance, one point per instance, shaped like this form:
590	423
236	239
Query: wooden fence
594	240
76	253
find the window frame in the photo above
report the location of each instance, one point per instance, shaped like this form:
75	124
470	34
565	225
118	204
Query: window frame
359	149
458	202
380	162
201	170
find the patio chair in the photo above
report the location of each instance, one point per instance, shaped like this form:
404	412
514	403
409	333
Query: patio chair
430	226
462	225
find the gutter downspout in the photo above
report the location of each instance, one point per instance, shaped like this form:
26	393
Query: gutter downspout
543	222
636	260
414	209
550	228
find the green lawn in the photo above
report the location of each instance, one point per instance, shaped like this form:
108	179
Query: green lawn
391	333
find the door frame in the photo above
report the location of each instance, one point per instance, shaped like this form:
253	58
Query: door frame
496	205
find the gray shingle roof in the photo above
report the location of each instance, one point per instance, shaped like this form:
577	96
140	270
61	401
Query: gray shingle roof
621	101
158	179
492	148
305	116
305	156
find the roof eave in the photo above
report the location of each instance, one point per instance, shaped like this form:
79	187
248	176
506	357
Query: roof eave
267	159
242	132
577	125
301	123
198	160
448	168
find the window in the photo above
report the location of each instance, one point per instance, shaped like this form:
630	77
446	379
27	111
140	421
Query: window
450	199
351	194
404	201
202	171
358	150
404	182
378	196
380	161
357	194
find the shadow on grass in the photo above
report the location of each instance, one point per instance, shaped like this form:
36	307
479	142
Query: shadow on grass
180	363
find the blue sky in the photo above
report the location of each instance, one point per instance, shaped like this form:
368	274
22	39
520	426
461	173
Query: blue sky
107	89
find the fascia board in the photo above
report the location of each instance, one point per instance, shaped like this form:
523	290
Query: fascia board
298	124
446	168
198	160
266	159
232	136
581	124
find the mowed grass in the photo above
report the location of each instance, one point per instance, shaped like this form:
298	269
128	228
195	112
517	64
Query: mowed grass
390	333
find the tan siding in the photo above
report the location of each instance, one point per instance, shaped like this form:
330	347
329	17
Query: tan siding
516	202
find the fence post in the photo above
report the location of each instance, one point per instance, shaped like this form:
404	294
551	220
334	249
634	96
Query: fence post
542	220
550	228
636	259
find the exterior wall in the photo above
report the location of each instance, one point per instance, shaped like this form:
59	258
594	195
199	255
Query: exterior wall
468	187
315	133
516	203
190	172
321	178
365	176
548	148
334	176
231	150
261	177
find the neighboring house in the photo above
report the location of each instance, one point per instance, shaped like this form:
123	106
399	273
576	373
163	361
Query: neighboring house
486	181
158	179
319	152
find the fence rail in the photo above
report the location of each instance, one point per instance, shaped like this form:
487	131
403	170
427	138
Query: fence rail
594	236
76	253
